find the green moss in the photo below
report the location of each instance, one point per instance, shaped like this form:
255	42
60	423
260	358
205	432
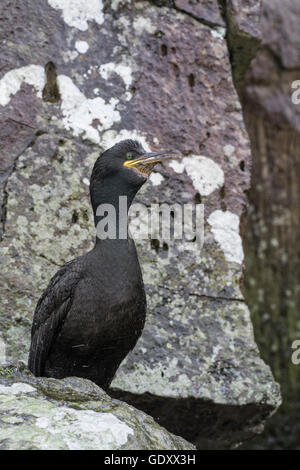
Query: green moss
6	372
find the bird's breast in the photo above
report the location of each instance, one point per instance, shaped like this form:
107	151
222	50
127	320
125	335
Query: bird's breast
109	305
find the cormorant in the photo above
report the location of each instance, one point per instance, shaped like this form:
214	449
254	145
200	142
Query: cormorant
93	311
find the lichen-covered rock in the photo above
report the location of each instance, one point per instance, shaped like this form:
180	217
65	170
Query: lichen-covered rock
136	70
272	115
73	413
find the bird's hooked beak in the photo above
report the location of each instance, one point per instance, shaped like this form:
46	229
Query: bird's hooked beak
146	162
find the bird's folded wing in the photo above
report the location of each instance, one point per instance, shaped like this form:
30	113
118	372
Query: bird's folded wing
50	314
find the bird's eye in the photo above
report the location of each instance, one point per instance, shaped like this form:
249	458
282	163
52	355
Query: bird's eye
129	156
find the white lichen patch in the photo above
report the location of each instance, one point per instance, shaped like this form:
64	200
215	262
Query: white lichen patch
225	228
79	112
156	179
11	83
99	429
16	389
77	13
143	25
112	137
177	166
84	116
52	427
206	175
69	55
218	32
124	71
228	150
81	46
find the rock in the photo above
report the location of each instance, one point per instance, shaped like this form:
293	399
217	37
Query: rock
283	40
243	33
209	12
272	238
196	367
73	414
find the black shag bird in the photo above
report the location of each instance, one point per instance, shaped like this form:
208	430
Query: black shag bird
93	310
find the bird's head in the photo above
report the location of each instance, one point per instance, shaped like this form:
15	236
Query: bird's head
121	171
129	162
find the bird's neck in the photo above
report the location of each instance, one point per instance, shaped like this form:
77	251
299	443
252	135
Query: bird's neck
111	200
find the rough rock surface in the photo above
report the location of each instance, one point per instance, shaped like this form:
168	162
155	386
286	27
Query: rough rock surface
129	70
273	233
73	414
208	12
243	33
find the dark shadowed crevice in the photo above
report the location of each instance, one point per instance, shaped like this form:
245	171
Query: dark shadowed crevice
211	297
51	92
206	424
203	21
242	45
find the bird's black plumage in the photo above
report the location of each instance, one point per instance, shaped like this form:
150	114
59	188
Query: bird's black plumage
93	310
